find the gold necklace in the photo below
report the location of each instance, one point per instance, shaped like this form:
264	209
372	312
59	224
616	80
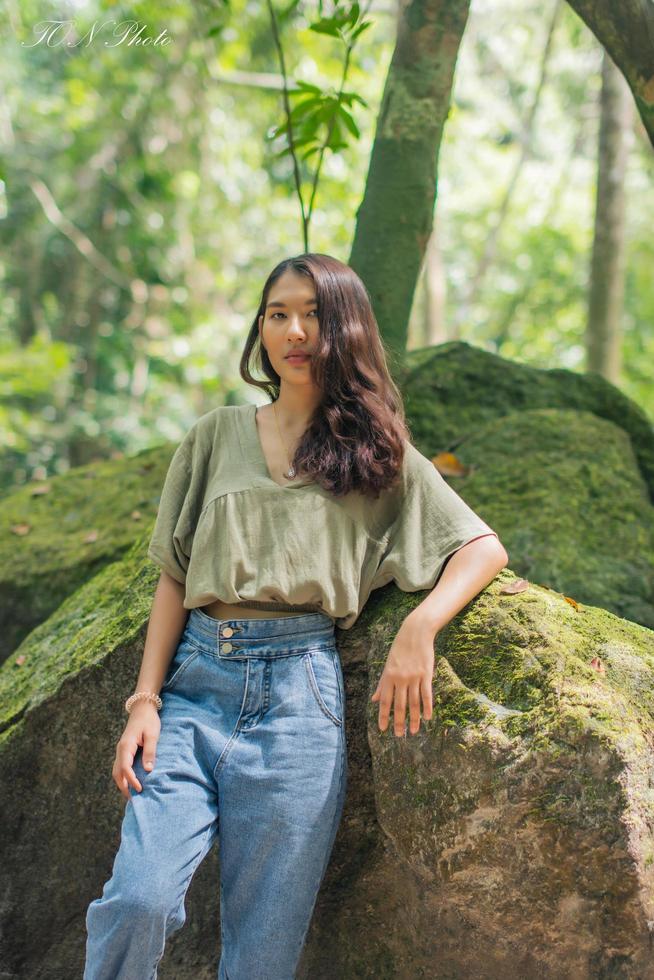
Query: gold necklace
291	471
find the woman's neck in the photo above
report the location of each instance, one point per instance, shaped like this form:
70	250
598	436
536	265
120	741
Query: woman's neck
294	409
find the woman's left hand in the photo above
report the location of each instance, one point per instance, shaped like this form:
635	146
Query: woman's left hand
409	669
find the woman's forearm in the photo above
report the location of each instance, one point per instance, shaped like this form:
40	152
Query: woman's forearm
466	573
167	620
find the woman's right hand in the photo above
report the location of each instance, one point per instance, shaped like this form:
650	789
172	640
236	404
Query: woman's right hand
142	729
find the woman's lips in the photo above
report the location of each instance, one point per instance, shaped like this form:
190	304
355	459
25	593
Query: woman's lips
297	358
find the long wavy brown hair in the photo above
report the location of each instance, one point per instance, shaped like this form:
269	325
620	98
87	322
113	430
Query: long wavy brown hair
355	440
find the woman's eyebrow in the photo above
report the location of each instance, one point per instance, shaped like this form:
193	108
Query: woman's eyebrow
312	300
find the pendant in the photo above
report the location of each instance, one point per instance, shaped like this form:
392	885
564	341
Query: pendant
290	473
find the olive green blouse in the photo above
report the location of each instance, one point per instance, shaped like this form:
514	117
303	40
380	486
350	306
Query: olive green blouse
228	531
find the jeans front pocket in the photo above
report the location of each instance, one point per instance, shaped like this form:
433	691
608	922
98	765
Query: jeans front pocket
184	655
326	681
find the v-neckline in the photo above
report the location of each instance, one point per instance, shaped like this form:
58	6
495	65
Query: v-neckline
253	429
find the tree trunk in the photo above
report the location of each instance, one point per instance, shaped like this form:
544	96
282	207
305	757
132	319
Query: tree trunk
606	289
625	28
394	220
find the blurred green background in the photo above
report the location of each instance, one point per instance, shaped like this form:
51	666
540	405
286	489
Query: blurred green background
143	203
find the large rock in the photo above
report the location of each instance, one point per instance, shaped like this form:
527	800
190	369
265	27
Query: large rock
453	390
519	825
563	490
88	518
511	837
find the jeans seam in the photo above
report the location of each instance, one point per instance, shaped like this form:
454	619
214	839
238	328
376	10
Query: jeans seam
283	637
337	810
326	641
191	657
314	684
232	737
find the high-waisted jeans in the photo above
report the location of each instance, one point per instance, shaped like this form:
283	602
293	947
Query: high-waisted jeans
252	751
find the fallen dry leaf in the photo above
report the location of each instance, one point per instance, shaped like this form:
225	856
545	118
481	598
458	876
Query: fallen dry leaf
136	515
519	585
20	528
598	665
448	464
572	602
91	536
41	488
20	659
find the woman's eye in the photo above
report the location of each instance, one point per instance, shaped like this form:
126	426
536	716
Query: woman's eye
283	314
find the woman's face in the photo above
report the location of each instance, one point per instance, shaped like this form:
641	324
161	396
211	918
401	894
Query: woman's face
290	324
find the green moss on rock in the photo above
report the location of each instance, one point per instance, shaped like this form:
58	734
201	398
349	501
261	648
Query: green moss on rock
561	465
531	786
452	391
108	612
115	499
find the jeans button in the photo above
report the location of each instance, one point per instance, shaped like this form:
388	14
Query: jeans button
227	631
227	647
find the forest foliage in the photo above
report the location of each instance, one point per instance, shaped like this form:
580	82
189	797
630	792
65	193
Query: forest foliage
145	194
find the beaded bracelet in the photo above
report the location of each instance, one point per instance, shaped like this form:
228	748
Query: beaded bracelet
143	696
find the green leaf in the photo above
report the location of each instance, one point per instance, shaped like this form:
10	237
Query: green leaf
361	28
303	139
349	122
325	26
354	13
335	137
350	97
305	108
307	87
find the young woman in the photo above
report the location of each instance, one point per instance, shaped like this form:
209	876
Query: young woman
274	526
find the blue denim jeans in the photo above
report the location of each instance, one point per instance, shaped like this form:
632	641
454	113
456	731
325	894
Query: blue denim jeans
252	751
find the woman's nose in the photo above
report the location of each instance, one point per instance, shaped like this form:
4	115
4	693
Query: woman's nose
296	329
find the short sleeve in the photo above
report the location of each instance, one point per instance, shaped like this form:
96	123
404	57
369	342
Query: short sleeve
432	522
179	509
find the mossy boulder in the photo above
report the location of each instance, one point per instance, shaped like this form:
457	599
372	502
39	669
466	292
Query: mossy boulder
564	492
451	391
520	821
511	837
87	519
